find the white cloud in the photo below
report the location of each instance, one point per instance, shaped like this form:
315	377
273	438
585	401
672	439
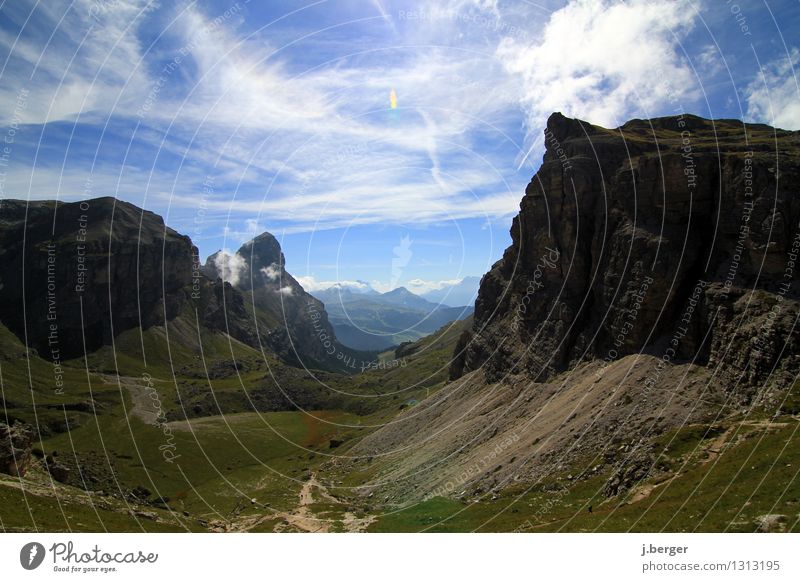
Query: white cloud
420	286
382	286
310	284
230	266
286	291
273	272
604	61
774	97
229	91
400	203
88	79
315	148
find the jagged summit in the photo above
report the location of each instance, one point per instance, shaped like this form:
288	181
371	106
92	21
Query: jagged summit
293	323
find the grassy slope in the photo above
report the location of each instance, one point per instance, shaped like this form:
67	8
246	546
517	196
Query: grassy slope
223	461
755	475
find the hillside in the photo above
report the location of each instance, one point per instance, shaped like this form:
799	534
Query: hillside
631	340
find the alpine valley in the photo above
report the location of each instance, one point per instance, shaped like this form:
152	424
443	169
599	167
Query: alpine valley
629	364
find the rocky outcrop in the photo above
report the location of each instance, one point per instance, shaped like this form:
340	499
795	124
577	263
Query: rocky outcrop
290	321
75	275
222	308
675	236
15	448
262	263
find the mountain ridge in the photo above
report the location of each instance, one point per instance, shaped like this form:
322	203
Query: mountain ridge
379	321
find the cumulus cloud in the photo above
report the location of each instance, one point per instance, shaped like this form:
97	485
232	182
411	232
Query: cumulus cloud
604	62
286	291
774	97
273	272
230	266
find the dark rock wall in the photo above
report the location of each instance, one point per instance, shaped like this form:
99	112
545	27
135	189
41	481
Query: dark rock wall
75	275
673	236
291	322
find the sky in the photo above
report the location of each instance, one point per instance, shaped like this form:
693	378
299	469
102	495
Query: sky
379	141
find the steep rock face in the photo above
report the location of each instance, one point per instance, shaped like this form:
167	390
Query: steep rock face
75	275
222	308
263	263
290	321
674	236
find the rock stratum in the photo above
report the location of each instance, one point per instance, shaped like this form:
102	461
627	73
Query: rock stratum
676	237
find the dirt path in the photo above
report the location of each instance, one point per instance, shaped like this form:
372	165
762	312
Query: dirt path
644	491
303	518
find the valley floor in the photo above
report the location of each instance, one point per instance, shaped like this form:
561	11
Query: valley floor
743	480
563	455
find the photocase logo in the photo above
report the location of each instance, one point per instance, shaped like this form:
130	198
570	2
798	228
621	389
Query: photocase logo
31	555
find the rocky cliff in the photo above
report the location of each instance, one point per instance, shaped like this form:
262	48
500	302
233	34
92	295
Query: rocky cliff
650	289
290	321
75	275
676	237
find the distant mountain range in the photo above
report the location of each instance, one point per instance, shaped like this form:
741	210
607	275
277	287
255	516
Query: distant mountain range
364	319
462	293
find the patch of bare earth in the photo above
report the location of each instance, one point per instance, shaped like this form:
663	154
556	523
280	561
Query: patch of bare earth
302	518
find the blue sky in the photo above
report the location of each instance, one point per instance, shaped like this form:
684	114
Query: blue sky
231	118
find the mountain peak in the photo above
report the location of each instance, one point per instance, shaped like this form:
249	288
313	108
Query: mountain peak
262	251
561	128
259	255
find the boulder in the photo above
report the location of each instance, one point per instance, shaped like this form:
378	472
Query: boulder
771	523
15	448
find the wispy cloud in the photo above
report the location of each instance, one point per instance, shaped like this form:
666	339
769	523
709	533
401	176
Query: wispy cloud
207	93
292	120
774	96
